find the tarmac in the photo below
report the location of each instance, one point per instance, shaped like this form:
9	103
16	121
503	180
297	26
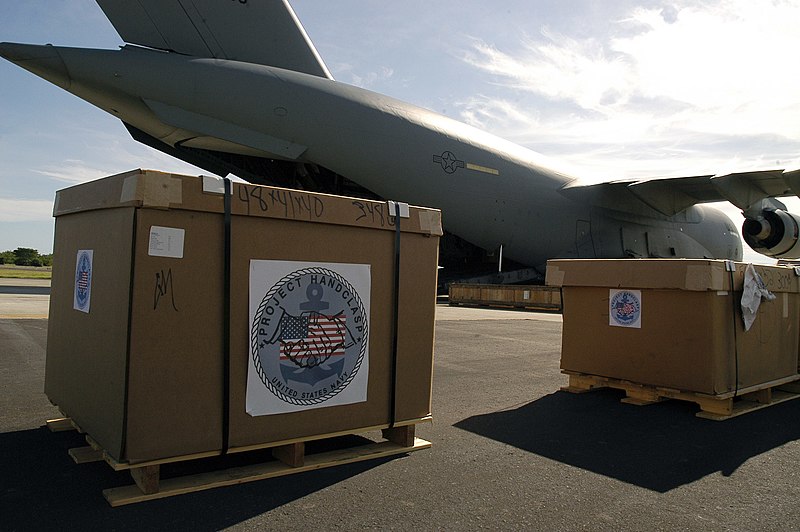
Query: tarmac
510	451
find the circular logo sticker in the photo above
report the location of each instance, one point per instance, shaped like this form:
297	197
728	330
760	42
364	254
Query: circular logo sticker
308	336
626	309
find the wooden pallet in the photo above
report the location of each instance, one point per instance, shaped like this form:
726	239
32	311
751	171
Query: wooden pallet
715	407
290	457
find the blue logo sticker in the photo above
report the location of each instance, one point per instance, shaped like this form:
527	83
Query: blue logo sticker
83	281
308	336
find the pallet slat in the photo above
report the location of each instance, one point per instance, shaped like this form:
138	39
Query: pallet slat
293	454
63	424
85	455
60	424
745	406
403	436
147	478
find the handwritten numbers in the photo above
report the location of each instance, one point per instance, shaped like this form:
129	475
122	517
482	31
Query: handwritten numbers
373	212
287	203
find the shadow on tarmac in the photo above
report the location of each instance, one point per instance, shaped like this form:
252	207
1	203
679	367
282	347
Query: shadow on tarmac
41	488
659	447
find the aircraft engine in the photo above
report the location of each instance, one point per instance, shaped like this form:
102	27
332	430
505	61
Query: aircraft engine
774	233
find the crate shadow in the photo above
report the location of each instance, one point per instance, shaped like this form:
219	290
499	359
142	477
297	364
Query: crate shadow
41	488
659	447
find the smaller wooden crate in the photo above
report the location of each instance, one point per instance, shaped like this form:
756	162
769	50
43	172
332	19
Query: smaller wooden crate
682	326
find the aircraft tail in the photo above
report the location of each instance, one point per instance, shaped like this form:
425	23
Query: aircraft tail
265	32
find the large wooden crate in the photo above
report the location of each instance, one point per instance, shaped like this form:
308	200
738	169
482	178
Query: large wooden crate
151	357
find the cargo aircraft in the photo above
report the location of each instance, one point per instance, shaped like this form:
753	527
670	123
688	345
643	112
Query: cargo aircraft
237	87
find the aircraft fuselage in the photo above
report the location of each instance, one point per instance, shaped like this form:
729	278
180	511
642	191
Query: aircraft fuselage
491	192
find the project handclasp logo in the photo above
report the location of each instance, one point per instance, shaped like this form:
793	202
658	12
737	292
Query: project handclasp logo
625	308
309	336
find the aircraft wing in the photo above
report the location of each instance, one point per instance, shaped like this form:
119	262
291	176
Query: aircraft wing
265	32
670	196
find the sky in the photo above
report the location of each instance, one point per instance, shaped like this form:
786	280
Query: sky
606	90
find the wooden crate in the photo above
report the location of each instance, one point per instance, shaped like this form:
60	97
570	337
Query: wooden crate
289	457
530	297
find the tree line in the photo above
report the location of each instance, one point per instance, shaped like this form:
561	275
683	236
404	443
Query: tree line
26	257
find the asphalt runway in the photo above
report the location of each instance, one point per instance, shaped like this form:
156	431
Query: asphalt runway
509	451
24	298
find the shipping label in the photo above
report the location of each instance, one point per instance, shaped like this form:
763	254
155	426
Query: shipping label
166	242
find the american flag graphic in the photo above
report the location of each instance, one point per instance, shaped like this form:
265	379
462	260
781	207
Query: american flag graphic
625	308
310	340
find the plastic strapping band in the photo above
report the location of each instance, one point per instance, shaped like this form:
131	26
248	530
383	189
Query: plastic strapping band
396	310
735	338
126	396
226	321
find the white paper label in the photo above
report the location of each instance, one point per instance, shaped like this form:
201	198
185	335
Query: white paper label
82	299
213	184
166	242
404	210
625	308
309	336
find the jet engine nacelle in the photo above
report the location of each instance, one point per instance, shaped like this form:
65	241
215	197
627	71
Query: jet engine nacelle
773	232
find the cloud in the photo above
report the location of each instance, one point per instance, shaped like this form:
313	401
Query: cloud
482	110
367	80
17	210
109	154
560	68
71	171
101	154
683	87
728	62
670	14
